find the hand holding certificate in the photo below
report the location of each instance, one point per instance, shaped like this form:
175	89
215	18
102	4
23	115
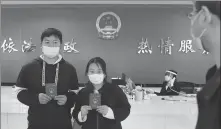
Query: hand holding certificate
43	98
61	99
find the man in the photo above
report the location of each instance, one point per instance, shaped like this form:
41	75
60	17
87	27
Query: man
205	30
49	70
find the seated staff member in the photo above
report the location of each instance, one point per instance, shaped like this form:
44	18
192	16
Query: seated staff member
44	111
169	86
114	103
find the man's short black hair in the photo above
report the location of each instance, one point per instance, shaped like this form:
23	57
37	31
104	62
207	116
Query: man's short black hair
213	6
51	32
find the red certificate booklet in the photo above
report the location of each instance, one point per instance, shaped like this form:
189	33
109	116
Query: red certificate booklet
51	89
94	100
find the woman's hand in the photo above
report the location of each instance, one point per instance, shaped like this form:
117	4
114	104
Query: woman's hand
103	110
84	110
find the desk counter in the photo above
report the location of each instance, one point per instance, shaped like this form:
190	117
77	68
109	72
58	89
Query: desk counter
153	113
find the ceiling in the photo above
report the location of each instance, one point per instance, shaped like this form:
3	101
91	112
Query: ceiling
91	3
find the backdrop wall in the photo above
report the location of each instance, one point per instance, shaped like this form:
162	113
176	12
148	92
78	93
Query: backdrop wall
153	22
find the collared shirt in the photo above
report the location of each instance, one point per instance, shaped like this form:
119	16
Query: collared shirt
59	58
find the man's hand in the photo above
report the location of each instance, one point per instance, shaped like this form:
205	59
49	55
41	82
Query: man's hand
61	99
43	98
102	110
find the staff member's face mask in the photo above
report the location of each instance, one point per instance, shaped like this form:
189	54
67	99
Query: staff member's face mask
167	78
51	46
95	74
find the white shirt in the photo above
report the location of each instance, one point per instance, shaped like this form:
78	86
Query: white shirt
59	58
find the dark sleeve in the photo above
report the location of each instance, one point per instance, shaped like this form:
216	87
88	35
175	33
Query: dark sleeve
162	91
174	90
122	109
73	85
177	87
77	108
25	95
211	72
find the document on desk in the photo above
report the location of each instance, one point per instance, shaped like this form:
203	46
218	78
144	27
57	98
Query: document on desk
180	99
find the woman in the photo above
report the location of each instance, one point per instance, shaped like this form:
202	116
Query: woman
169	86
114	104
205	30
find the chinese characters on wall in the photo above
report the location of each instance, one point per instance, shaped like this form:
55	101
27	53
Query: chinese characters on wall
144	47
70	46
166	46
9	46
186	46
28	46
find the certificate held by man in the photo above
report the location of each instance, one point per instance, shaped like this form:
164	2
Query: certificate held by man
51	89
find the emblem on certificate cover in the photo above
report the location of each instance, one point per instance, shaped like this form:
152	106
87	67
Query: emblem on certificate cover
51	90
108	25
95	101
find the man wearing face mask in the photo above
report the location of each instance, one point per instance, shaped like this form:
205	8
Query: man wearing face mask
45	111
205	30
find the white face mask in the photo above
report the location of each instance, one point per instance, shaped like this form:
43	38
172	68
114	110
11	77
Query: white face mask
167	78
96	78
50	52
197	39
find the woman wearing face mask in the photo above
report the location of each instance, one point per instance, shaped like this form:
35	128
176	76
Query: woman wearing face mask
114	104
45	111
205	30
169	86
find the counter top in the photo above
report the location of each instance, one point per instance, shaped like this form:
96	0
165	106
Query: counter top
175	112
